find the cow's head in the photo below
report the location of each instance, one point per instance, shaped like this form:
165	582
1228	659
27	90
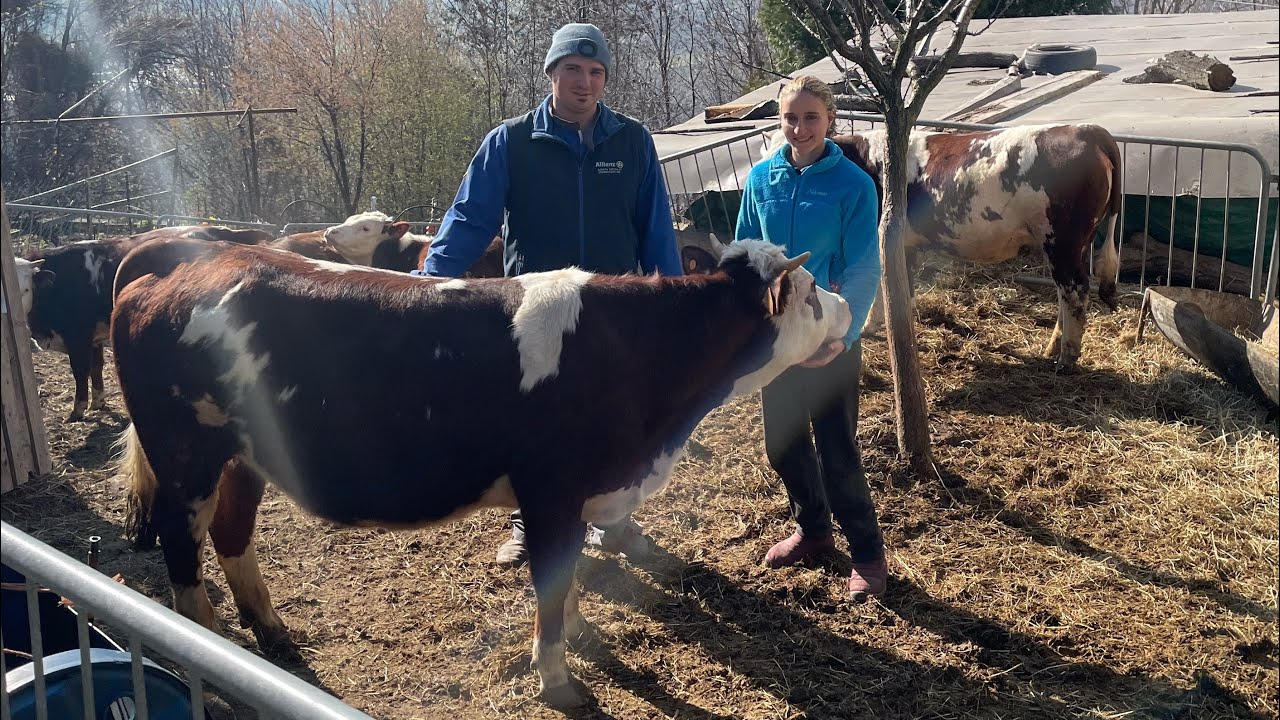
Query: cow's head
803	318
41	301
359	235
27	271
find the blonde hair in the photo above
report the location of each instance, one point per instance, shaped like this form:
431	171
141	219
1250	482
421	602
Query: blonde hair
816	88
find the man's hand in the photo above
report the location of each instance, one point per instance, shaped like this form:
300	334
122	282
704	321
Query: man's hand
825	354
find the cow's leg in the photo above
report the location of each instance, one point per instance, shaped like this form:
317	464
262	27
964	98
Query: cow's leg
81	357
99	399
554	536
181	524
1073	301
875	317
239	494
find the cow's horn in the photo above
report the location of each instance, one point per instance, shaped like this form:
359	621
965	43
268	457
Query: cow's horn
797	261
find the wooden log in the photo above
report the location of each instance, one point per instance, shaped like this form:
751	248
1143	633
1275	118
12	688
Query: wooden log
1198	71
857	103
969	60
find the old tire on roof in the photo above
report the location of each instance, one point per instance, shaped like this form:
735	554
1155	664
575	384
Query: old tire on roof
1057	58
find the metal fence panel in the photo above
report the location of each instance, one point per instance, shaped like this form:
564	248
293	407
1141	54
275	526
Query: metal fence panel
202	653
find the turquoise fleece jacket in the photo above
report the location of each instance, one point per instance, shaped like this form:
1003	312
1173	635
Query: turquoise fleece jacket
829	209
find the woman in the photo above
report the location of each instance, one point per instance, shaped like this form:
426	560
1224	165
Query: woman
807	196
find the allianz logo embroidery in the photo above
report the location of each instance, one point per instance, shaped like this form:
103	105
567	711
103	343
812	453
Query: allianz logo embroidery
608	168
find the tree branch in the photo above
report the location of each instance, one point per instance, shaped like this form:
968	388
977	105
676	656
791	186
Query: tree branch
863	56
924	84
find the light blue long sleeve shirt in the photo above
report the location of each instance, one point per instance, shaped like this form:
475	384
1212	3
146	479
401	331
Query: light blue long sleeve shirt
829	209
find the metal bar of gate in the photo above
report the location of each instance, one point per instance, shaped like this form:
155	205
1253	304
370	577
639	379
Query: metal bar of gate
232	668
79	211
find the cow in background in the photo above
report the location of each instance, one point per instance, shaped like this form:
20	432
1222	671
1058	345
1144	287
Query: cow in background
605	377
986	196
375	240
71	298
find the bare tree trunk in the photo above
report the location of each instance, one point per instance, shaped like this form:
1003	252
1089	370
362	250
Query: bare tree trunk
904	358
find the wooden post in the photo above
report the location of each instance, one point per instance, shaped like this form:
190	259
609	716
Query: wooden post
25	450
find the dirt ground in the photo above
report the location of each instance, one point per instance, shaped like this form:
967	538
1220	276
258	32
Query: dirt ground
1104	545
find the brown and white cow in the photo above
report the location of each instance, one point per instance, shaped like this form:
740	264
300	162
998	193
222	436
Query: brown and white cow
985	196
596	382
71	298
373	239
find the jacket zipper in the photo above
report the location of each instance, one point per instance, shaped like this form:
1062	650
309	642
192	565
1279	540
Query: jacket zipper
795	194
582	217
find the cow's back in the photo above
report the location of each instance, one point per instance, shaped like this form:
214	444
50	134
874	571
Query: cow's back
309	244
388	382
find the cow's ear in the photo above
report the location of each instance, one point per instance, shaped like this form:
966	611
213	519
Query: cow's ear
696	260
397	229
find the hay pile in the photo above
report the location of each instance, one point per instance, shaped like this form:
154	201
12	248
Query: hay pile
1104	546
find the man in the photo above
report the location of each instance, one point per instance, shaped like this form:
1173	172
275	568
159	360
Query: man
577	185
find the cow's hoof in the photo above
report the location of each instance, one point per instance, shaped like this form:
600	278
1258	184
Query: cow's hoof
272	637
76	415
1064	368
563	697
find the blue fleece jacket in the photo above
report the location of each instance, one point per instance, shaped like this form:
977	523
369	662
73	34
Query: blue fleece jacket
828	209
477	213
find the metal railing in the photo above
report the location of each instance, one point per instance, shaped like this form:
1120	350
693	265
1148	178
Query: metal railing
704	183
201	653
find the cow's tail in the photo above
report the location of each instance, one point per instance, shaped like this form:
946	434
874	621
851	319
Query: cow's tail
132	467
1107	266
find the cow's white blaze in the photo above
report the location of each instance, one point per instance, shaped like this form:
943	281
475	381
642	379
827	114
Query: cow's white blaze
286	394
216	326
454	284
548	311
93	263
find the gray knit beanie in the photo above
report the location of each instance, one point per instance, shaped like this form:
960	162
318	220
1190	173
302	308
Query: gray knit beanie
582	39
